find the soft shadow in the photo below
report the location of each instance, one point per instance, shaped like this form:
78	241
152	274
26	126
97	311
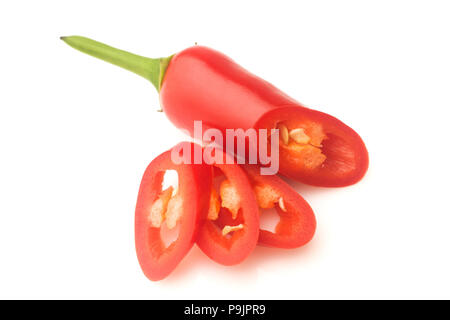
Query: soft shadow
305	189
196	263
188	267
265	255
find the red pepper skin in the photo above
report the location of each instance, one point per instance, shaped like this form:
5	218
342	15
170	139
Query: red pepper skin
297	225
204	84
233	250
194	181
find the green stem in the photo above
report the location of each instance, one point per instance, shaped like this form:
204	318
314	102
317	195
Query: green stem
151	69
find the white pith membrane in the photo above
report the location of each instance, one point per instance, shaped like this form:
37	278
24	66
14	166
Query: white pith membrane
229	198
224	195
305	141
166	210
268	199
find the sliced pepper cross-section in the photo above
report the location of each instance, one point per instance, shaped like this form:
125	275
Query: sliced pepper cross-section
229	243
180	207
316	148
297	223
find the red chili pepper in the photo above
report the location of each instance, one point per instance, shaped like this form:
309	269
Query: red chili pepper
229	243
297	221
182	208
199	83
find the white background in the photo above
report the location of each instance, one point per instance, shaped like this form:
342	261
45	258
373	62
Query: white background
76	135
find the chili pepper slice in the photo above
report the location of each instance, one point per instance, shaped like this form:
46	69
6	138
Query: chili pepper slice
297	223
315	148
229	243
182	208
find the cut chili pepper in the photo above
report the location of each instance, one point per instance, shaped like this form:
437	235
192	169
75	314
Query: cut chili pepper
182	207
230	243
297	221
199	83
315	148
329	154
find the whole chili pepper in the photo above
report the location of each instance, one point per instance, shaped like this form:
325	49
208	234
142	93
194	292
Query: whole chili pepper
199	83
